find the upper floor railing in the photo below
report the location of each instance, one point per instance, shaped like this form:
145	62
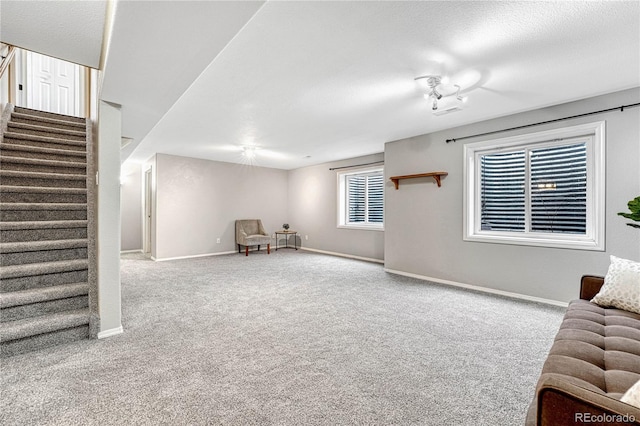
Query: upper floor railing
6	55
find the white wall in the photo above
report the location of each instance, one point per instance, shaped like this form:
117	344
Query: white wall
108	234
423	223
131	184
198	201
313	208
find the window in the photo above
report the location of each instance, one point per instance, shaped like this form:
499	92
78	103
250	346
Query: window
361	199
542	189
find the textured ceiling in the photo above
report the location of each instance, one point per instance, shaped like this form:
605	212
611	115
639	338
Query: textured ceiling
310	82
69	30
158	49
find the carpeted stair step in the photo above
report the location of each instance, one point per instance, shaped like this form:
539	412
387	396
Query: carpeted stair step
43	268
40	121
42	230
48	280
20	253
44	274
13	138
43	331
27	151
42	194
48	115
29	212
22	178
27	297
46	166
19	305
35	130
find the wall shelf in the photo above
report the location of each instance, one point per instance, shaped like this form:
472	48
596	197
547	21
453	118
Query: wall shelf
435	175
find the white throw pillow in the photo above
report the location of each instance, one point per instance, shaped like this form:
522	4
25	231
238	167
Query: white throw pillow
621	287
632	396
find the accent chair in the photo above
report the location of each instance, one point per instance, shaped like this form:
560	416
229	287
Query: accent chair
250	233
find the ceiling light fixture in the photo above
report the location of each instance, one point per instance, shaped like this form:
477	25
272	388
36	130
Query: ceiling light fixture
439	87
249	151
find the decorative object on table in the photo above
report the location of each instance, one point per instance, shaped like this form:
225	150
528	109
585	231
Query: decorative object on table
634	206
285	226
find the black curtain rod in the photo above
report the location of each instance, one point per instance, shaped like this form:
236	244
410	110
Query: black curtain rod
621	108
356	165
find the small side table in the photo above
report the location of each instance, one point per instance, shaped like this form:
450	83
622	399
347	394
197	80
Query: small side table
286	239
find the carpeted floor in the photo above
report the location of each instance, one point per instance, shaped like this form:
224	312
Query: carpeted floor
291	338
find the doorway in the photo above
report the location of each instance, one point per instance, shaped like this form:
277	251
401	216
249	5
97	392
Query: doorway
51	84
147	212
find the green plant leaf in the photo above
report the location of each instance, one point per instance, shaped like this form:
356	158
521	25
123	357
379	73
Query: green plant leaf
634	207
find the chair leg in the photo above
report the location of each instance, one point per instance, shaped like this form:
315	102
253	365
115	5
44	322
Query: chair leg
258	247
246	250
238	248
268	248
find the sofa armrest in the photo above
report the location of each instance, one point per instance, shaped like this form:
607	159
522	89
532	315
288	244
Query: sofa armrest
590	286
561	403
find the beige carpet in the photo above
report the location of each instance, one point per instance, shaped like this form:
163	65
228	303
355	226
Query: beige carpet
288	338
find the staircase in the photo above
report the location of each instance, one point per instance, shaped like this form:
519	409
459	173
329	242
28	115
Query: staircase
44	239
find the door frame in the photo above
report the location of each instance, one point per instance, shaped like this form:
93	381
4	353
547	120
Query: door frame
147	211
23	69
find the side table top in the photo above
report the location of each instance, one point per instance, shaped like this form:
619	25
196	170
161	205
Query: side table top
286	232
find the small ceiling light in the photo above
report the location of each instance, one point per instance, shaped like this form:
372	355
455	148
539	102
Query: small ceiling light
459	97
249	151
437	90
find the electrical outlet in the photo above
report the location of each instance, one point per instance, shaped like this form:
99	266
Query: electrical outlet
306	237
218	240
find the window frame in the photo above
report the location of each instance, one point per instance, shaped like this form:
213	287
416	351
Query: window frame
342	219
594	238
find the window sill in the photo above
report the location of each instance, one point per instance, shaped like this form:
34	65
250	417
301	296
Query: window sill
538	241
362	227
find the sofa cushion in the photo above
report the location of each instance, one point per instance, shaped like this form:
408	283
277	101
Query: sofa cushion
621	287
597	348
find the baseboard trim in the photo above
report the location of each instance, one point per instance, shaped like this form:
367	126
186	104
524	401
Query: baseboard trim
130	251
349	256
111	332
193	256
480	289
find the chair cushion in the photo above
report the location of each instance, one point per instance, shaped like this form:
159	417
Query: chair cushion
256	240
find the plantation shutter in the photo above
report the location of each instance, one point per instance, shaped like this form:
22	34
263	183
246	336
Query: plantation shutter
365	198
356	196
502	183
375	195
559	189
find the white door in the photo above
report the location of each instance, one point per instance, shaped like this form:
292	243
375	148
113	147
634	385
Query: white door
52	85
